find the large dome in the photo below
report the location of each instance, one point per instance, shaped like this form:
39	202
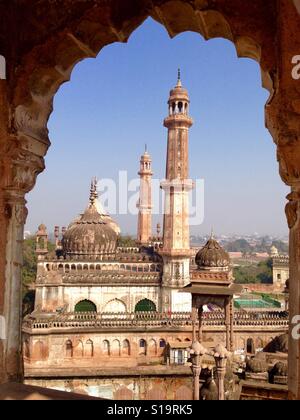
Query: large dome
91	235
212	255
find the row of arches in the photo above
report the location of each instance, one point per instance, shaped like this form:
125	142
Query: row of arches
134	268
114	348
156	393
115	306
179	107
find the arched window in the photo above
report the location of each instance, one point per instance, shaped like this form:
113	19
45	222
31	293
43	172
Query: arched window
89	350
126	348
69	349
85	306
116	348
79	349
106	348
145	305
259	344
250	346
115	306
152	347
162	344
143	347
180	107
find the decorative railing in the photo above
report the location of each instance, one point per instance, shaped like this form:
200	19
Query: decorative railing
120	267
152	320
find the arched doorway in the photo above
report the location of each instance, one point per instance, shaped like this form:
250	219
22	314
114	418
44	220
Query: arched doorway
145	305
85	306
115	306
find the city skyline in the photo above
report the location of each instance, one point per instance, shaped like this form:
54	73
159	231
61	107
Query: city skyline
233	203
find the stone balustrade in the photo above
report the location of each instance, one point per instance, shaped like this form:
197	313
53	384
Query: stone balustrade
153	319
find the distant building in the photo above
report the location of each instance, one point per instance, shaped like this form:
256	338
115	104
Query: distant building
281	271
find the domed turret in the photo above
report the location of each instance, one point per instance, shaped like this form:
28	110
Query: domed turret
274	252
212	256
179	100
93	234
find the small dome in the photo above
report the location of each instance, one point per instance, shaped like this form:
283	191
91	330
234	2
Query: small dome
178	92
280	369
93	234
42	229
209	390
212	255
279	344
257	365
274	251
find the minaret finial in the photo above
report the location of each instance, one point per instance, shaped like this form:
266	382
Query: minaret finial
146	148
212	233
179	78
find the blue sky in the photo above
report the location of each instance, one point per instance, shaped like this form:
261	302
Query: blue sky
116	103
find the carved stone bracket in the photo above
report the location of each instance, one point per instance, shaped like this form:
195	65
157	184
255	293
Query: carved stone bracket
291	209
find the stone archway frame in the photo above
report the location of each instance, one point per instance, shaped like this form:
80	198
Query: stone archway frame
50	64
80	30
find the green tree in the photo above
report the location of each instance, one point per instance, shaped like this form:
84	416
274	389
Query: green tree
127	241
240	245
254	273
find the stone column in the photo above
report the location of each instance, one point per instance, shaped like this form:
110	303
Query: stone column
16	210
232	344
227	321
293	211
200	317
19	170
4	112
194	321
197	353
282	119
221	355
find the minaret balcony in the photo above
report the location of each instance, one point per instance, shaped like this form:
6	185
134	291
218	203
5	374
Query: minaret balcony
178	185
177	120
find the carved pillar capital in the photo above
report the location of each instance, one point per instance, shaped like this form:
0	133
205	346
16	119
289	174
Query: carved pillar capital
21	169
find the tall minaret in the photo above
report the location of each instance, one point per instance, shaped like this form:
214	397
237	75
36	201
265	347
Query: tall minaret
145	202
177	186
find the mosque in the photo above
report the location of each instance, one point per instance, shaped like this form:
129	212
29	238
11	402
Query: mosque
118	322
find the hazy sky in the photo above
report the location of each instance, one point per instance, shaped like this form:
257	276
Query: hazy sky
116	103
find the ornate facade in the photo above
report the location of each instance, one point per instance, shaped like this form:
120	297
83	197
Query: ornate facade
55	36
107	311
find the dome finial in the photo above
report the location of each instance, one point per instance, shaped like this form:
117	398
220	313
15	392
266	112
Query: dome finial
212	234
93	191
179	84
